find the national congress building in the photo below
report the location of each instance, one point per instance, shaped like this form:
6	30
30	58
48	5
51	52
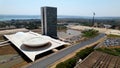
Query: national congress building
49	21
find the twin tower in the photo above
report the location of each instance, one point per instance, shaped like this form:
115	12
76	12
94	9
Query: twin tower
49	21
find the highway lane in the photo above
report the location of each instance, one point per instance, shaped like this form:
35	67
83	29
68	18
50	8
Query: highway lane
53	58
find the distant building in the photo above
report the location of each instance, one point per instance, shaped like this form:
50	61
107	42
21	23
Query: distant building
107	26
49	21
96	24
30	46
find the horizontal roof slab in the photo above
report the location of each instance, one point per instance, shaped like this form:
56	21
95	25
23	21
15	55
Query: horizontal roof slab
18	38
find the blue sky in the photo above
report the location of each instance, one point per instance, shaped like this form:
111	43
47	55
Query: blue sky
65	7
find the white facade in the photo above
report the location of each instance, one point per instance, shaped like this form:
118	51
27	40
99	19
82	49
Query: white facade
19	38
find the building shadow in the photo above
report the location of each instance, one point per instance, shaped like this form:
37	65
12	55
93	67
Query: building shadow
21	54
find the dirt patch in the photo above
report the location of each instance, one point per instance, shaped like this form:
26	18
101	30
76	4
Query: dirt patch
7	50
20	64
1	38
37	30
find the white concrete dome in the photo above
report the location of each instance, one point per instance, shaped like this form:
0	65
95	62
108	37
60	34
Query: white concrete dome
35	42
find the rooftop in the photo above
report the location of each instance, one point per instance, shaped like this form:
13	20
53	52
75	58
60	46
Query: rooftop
32	38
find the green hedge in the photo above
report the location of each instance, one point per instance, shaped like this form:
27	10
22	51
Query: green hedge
90	33
111	35
70	63
84	53
112	51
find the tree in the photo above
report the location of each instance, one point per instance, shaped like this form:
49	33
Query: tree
89	33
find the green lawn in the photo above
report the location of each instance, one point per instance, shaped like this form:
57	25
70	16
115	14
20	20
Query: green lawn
112	51
70	63
90	33
113	36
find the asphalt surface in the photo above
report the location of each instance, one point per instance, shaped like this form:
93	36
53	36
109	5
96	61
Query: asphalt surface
53	58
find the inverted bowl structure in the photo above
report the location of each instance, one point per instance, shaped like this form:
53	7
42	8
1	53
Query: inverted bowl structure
35	42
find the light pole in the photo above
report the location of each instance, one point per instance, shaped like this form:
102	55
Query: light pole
93	18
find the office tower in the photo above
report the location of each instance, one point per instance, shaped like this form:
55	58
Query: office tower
49	21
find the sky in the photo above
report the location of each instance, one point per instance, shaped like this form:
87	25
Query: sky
64	7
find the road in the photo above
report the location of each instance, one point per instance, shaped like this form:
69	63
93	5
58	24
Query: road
53	58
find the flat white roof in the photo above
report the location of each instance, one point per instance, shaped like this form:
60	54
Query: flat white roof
3	32
18	39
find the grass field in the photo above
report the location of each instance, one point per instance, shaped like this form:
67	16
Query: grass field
113	36
112	51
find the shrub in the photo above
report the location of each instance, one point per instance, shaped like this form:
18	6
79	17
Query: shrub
90	33
61	65
114	36
70	63
85	52
112	51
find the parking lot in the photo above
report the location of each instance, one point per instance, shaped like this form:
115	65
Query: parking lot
109	42
112	42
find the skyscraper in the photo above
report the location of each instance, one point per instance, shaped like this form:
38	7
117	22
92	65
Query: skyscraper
49	21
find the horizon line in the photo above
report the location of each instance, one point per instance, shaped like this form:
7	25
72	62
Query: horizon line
57	15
